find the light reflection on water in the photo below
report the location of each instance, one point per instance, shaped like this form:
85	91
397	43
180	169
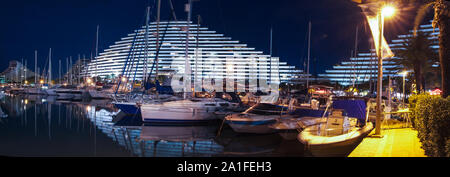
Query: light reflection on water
43	126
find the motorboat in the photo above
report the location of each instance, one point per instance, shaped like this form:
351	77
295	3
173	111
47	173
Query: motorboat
15	90
340	132
298	119
69	93
35	91
98	94
101	92
257	118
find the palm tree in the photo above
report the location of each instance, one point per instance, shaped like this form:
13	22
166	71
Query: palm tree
417	56
442	21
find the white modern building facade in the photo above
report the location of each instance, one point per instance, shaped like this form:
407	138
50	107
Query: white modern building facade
210	55
364	67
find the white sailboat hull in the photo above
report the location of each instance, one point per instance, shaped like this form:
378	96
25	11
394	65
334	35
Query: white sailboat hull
182	111
175	115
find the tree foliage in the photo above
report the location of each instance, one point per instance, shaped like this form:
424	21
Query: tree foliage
431	116
418	56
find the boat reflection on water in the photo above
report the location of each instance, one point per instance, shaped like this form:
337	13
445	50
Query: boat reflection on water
97	128
180	140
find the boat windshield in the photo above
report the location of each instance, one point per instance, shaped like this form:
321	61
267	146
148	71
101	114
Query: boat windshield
334	127
266	109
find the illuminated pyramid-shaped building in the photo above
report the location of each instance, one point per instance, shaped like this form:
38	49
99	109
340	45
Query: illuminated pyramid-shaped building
211	55
364	67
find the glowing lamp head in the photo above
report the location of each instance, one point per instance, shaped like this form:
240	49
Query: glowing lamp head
388	11
89	80
41	81
404	73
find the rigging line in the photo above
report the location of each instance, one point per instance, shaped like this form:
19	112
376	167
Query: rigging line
147	17
302	55
172	10
157	51
159	48
130	53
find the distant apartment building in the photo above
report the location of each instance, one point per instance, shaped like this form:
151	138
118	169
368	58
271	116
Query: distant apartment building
210	55
364	66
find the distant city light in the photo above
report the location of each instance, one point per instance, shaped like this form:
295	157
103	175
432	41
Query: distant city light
436	92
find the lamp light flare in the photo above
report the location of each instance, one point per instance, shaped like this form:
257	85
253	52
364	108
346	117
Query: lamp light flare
404	73
388	11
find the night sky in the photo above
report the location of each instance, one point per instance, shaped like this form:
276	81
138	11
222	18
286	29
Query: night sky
69	27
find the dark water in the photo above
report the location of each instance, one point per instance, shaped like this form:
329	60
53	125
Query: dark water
43	126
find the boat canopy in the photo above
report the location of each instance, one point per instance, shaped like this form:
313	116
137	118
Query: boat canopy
353	108
307	112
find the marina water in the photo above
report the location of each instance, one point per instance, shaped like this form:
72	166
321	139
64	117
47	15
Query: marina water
39	126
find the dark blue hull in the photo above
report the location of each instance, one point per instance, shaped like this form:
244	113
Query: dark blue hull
128	108
176	122
259	122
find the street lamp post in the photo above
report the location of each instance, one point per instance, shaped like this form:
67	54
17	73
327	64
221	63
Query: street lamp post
384	11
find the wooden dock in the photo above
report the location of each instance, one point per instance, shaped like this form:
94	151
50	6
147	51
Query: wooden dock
394	143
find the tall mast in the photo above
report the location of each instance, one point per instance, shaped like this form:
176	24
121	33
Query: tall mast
35	69
96	52
60	72
271	31
71	71
144	75
50	67
188	9
309	53
354	55
67	70
96	41
21	74
158	16
270	57
25	70
78	69
196	50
